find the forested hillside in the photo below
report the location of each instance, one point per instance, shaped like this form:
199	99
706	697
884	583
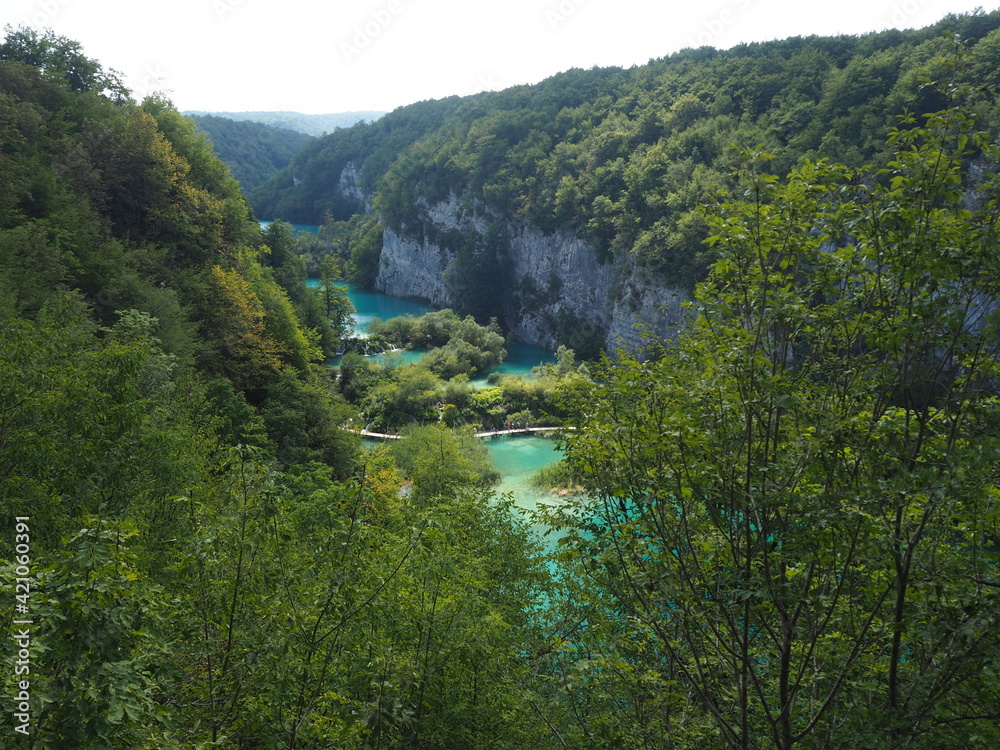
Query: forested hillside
778	530
298	121
254	152
318	168
206	559
621	157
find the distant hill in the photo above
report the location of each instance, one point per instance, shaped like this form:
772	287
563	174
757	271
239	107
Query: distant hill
622	158
297	121
252	151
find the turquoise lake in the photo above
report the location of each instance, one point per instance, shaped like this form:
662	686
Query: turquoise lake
310	228
370	305
517	457
521	357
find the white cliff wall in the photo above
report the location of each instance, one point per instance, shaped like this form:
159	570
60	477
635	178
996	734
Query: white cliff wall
350	185
412	269
557	282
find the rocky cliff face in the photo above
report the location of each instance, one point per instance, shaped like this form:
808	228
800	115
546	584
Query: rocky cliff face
350	185
560	292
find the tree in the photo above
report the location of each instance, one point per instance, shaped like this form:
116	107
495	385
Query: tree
303	419
61	60
793	531
230	564
408	396
339	309
251	357
279	238
438	461
480	273
100	647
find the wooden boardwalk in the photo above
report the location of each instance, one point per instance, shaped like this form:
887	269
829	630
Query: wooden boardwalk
519	431
486	434
376	435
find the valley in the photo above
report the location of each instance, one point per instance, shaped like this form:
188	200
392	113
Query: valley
755	293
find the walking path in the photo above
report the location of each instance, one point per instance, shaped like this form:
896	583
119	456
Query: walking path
377	435
486	434
519	430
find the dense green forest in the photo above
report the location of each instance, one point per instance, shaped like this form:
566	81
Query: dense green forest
788	530
254	152
389	394
623	157
213	563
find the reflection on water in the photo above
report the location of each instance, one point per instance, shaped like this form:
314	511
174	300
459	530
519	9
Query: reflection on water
521	358
518	457
369	305
404	357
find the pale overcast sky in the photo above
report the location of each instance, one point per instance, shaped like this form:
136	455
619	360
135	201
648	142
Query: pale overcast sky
341	55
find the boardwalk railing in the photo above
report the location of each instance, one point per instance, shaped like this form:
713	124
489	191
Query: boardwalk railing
486	434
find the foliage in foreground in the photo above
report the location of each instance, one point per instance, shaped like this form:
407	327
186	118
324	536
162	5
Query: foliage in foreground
791	536
213	561
792	540
191	594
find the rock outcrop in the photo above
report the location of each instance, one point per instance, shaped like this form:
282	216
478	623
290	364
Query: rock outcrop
559	290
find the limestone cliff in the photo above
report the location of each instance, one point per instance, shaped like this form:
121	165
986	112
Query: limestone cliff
350	185
559	292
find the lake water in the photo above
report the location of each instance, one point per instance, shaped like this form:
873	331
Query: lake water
521	357
370	305
517	457
308	228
